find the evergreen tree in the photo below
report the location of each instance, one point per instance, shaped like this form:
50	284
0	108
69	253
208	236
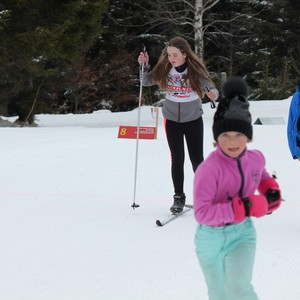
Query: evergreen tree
40	39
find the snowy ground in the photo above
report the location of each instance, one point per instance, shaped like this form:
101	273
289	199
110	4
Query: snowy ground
68	232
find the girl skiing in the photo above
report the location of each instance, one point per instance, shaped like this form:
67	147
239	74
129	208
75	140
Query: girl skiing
184	78
224	199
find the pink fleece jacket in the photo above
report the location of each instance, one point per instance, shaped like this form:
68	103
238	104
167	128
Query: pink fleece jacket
221	178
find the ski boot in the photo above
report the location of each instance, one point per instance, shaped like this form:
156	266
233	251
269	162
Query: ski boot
179	202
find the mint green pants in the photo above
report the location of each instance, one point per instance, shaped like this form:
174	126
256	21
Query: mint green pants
226	256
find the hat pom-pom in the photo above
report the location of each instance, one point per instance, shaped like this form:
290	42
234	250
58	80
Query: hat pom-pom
235	86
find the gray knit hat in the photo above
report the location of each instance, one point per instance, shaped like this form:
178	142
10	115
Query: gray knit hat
233	110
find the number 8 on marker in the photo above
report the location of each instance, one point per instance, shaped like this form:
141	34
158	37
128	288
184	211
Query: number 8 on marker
123	131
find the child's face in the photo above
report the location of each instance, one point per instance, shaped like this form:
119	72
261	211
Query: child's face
232	143
175	56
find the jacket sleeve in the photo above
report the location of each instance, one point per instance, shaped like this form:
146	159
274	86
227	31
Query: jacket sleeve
207	85
147	79
206	209
293	126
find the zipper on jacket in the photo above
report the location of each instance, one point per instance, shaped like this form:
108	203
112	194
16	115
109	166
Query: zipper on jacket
242	177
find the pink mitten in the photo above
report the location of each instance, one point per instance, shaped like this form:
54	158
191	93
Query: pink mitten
270	188
258	206
238	206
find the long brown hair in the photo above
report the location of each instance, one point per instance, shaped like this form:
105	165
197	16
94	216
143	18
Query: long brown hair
196	71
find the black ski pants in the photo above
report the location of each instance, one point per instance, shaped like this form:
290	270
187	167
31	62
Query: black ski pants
193	134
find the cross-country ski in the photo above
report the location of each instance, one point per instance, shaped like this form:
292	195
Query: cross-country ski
174	216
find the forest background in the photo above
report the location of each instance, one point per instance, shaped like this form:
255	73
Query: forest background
77	56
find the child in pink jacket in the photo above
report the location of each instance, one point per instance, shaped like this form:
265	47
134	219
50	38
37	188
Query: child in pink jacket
225	199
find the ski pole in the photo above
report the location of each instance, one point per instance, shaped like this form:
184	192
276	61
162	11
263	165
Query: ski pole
134	205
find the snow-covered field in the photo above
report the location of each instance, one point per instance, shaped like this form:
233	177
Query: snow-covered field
68	231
